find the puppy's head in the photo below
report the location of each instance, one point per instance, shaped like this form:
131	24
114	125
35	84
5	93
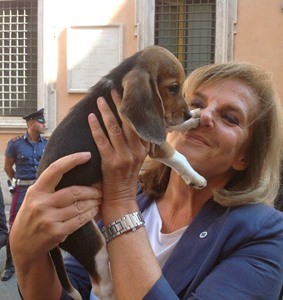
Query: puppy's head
152	98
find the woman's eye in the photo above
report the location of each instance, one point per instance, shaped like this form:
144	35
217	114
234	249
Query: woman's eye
231	119
196	104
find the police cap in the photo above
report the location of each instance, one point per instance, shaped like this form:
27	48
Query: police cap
38	116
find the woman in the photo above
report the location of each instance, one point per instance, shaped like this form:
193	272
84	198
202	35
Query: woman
221	242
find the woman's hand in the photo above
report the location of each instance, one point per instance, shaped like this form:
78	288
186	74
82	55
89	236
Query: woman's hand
45	219
46	216
122	155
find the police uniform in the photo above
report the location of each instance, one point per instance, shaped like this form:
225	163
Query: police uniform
27	155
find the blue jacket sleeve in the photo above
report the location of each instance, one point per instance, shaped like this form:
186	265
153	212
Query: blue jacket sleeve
161	290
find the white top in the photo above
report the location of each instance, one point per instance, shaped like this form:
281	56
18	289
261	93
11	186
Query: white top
162	244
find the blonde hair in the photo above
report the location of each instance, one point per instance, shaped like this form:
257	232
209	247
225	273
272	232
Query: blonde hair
260	181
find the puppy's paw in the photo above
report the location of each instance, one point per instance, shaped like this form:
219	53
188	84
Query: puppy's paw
200	184
197	181
190	124
193	122
196	113
187	125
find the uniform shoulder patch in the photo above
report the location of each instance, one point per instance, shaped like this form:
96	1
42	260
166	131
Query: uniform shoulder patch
15	138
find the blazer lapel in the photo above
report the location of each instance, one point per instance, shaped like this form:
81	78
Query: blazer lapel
192	249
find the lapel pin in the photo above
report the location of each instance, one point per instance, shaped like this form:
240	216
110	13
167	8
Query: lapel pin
203	234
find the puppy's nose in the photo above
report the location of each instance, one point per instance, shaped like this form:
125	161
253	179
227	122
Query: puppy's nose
187	115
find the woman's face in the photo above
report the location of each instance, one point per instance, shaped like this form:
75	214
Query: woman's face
219	145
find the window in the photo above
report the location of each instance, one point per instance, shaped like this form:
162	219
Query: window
198	32
187	28
18	59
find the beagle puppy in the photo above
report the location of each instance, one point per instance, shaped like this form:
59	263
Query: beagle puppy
150	85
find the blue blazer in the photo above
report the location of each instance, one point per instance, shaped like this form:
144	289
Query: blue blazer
225	254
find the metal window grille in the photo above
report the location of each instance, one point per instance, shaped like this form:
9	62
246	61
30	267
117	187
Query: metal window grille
18	57
187	28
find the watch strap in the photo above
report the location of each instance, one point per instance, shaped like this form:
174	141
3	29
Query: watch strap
129	222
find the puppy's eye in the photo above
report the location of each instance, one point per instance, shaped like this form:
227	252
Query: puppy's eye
174	89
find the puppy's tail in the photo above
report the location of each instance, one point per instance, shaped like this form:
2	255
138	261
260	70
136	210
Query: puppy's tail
62	275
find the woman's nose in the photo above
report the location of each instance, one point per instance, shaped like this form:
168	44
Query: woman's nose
207	117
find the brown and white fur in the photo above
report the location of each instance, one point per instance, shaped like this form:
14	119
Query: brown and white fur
150	84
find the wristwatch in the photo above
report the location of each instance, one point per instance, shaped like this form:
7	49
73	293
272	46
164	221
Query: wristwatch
129	222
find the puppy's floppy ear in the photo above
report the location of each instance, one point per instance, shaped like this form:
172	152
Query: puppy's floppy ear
142	105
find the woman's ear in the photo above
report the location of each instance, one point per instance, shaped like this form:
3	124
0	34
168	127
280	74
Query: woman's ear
241	163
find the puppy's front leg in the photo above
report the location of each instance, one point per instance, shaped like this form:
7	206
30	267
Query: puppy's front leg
178	162
193	122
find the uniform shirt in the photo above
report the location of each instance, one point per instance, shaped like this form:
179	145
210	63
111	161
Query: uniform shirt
27	155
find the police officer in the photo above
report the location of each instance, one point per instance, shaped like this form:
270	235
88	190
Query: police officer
24	154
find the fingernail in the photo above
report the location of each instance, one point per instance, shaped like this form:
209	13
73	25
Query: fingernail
101	100
86	154
92	117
